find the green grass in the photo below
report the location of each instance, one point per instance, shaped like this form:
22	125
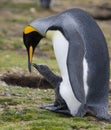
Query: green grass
16	60
13	43
11	5
19	109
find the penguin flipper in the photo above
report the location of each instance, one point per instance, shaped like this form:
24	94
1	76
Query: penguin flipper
75	66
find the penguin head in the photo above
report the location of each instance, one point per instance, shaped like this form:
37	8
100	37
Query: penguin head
31	38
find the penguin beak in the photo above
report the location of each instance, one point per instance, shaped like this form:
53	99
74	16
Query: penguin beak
30	56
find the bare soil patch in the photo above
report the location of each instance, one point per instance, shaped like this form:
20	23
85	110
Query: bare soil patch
25	80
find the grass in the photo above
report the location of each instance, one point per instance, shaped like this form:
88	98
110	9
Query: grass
11	60
12	5
19	109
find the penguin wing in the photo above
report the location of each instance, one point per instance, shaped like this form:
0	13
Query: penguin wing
75	65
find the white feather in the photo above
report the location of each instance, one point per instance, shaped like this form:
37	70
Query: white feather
85	74
61	45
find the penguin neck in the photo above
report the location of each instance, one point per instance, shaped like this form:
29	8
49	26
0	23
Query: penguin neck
50	34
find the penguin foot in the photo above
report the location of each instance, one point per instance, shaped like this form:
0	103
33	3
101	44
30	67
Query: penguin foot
104	118
58	109
49	107
100	112
82	111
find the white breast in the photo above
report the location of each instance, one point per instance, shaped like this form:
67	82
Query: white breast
60	45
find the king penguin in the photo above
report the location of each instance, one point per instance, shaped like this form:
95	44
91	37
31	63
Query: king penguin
82	56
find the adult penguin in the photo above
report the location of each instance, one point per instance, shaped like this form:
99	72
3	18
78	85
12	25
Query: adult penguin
82	55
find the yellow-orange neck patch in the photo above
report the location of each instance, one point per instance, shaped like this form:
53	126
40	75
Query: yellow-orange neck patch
29	29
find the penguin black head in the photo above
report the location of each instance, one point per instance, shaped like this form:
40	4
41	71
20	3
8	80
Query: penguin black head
31	38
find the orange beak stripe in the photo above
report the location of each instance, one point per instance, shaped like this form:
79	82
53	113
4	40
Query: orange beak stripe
30	53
